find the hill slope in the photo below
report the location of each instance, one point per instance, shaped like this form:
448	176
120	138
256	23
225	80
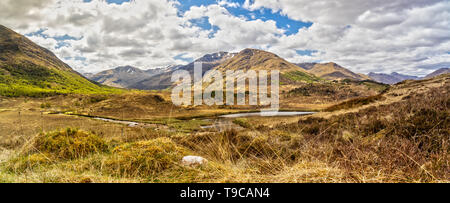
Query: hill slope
332	71
438	72
254	59
122	77
26	69
391	78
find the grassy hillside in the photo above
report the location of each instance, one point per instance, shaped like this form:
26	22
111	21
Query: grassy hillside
254	59
27	69
37	81
298	76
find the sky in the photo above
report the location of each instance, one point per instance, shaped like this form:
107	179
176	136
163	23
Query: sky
405	36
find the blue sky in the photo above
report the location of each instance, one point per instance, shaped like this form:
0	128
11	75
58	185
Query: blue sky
282	21
61	40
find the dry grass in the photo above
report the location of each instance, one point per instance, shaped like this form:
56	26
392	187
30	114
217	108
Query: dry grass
67	144
357	102
145	158
48	148
406	141
402	138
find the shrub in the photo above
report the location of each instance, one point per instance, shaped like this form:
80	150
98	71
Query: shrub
97	99
312	125
314	89
46	105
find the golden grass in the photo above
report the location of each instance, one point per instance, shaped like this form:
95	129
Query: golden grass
67	144
144	158
403	138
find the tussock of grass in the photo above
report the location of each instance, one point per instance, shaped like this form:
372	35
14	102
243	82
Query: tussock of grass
243	122
267	152
144	158
185	126
22	163
188	125
49	148
67	144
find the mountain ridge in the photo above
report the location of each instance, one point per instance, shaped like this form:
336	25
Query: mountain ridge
163	80
391	78
437	73
332	71
27	69
16	47
257	60
121	76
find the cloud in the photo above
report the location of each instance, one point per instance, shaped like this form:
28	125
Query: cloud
228	4
406	36
368	35
20	12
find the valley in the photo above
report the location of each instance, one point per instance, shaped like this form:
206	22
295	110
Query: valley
309	148
334	125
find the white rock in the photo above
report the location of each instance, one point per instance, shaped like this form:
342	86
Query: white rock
193	161
133	124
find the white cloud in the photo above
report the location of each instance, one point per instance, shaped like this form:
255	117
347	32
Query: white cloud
369	35
228	4
364	35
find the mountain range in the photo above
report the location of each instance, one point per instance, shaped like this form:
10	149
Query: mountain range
253	59
395	77
31	70
124	76
163	80
391	78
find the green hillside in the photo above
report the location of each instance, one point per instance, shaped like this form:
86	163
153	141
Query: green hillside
37	81
299	76
27	69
